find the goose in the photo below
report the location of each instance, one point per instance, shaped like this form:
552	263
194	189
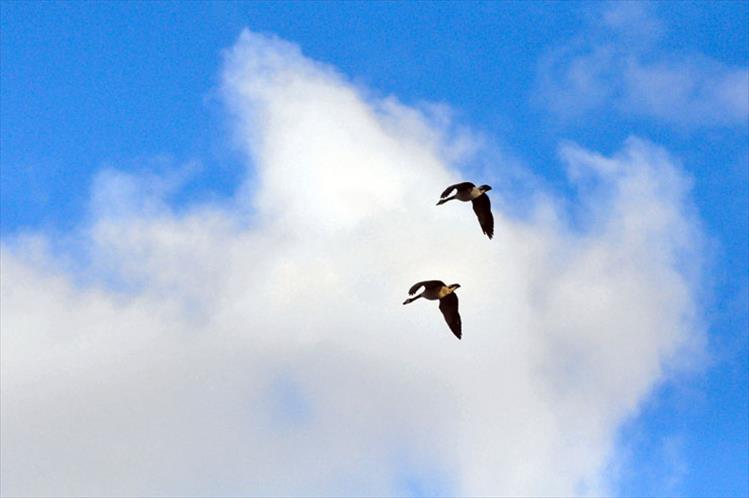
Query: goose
467	191
434	290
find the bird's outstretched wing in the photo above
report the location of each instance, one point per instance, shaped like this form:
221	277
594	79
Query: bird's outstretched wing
482	206
426	283
449	309
459	186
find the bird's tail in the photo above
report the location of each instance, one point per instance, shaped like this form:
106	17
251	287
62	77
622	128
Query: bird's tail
442	201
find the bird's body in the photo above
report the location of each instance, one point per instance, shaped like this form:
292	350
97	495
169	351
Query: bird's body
467	191
437	290
468	194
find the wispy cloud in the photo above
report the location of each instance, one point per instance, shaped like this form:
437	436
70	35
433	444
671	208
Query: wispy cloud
266	351
617	65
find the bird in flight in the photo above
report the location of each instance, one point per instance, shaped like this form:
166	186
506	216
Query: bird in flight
467	191
434	290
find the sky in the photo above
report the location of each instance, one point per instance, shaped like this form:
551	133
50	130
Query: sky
211	213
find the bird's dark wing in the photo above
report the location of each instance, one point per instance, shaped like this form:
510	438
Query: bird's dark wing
449	309
459	186
482	206
426	283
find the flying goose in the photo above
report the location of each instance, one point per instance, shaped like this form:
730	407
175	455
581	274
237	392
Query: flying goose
436	289
467	191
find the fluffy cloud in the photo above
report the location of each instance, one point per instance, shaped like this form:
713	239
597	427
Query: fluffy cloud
261	348
617	65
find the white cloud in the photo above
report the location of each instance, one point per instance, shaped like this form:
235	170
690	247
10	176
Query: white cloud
635	23
617	65
265	350
698	91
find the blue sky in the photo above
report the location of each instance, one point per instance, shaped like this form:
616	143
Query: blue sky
136	87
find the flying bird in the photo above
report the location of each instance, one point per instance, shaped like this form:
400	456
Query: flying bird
436	289
482	206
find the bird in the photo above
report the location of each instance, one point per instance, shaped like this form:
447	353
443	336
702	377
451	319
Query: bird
482	206
434	290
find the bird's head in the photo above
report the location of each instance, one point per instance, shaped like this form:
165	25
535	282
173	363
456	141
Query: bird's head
485	188
454	286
